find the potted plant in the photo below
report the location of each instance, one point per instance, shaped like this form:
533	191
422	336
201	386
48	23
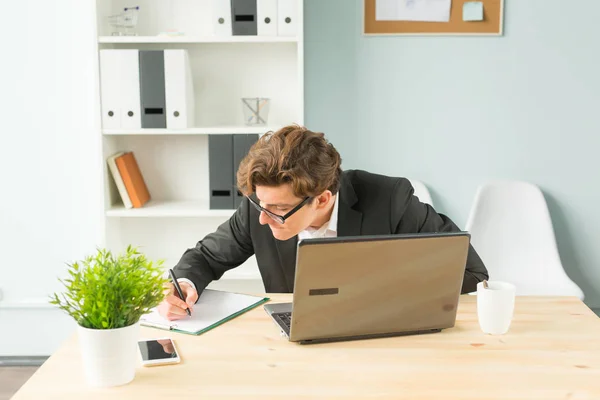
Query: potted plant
107	295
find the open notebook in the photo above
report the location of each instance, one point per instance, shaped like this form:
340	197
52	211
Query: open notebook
212	309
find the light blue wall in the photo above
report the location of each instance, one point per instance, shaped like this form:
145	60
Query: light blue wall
457	111
330	37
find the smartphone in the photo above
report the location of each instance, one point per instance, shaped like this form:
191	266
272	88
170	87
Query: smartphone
160	351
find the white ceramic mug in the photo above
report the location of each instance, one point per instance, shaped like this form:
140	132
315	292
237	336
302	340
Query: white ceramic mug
495	306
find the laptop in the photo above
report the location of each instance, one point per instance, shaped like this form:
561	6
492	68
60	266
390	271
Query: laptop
360	287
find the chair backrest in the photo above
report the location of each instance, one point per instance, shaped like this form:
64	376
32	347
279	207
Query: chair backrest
421	191
512	231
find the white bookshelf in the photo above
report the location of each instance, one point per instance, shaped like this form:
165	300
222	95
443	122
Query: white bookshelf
174	162
193	131
163	209
195	39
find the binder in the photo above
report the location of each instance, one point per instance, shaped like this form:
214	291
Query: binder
287	17
179	90
220	171
266	11
243	17
131	117
152	88
109	89
120	89
214	307
241	146
221	17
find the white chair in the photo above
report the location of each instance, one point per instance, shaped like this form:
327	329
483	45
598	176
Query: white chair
421	192
512	231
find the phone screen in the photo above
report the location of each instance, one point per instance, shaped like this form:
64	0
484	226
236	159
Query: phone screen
159	349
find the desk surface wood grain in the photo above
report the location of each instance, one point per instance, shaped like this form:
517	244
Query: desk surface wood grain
552	351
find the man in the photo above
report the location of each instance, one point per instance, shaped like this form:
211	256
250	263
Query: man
295	188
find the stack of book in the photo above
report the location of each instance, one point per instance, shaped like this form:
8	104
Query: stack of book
129	180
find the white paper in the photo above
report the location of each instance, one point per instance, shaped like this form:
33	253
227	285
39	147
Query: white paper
212	307
413	10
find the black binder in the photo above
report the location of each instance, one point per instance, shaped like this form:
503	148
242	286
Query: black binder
243	17
220	171
241	146
152	88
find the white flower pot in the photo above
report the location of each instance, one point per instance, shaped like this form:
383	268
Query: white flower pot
109	355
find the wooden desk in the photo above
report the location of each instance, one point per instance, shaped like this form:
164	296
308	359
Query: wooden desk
551	352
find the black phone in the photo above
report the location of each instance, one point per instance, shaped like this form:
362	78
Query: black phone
160	351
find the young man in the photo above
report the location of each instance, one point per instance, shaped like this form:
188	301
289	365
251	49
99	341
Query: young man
295	188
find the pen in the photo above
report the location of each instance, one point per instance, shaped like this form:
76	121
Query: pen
178	288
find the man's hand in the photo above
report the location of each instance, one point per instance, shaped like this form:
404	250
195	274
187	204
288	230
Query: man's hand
172	307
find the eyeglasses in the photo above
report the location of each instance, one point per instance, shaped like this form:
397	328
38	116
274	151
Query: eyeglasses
279	218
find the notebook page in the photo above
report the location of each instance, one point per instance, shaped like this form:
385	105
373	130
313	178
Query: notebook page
212	307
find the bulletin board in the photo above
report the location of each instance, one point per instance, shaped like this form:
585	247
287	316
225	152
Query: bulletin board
491	24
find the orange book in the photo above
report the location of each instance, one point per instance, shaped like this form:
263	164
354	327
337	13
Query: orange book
133	179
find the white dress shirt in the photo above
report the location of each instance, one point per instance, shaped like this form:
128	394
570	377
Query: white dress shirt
327	230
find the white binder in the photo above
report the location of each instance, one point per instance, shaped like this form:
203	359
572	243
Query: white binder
120	89
131	109
266	11
179	90
109	89
221	17
287	17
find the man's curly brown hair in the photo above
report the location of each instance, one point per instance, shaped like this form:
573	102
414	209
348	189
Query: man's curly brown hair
292	155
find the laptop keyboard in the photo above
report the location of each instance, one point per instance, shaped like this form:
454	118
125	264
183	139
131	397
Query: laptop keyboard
284	319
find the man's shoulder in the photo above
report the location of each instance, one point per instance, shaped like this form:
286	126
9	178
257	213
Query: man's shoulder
361	178
373	194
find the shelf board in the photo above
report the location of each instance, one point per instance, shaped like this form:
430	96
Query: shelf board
197	39
155	208
193	131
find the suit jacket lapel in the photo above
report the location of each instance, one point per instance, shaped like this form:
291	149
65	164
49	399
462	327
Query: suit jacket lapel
349	219
287	259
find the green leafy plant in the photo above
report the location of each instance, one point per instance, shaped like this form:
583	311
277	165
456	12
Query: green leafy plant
108	292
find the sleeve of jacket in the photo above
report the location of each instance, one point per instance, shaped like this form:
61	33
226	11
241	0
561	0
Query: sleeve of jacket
226	248
409	215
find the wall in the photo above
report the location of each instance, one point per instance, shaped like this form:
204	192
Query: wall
50	168
330	40
457	111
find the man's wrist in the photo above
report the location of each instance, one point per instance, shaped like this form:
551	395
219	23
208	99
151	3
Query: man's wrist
180	280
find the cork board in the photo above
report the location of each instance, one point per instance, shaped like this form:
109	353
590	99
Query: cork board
491	24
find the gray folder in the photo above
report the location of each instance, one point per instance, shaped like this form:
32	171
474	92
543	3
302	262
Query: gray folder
220	171
243	17
241	146
152	88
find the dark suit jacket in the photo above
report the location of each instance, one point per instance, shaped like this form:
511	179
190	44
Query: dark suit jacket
369	204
